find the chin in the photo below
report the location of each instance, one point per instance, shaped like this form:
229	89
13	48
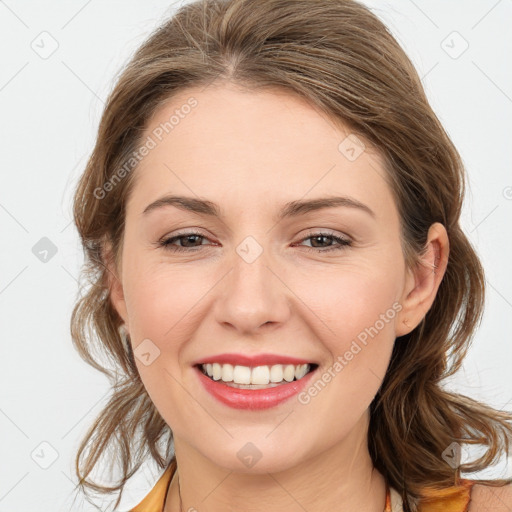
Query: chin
255	458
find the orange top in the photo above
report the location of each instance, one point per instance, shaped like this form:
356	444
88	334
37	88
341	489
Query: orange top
452	499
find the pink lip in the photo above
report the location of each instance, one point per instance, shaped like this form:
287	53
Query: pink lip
256	360
255	399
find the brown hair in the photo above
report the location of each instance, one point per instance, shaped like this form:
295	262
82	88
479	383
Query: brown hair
340	57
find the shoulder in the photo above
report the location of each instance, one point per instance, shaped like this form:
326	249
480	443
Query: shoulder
489	498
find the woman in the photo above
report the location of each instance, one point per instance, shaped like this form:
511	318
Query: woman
279	277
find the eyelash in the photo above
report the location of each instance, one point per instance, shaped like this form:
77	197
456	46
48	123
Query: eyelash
343	242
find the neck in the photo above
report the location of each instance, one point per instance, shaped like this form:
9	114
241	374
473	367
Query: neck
340	478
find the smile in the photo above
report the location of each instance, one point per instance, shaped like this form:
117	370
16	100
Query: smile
254	388
256	376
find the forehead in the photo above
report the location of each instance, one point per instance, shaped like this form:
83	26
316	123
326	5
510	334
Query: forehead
240	146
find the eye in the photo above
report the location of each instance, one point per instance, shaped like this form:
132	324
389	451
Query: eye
322	237
189	238
192	237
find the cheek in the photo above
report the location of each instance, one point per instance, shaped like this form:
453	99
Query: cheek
356	327
354	317
349	301
163	300
160	309
355	313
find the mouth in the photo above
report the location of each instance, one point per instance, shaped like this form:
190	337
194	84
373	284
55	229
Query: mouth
256	377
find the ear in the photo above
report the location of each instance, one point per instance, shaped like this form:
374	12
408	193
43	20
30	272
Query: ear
114	282
422	282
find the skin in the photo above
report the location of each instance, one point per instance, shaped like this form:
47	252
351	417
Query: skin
250	152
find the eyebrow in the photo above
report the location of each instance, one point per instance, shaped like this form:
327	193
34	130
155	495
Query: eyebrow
289	210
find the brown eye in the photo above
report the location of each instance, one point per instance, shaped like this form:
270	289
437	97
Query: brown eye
322	238
188	242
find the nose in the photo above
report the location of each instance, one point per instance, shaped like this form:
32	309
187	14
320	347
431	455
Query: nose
252	295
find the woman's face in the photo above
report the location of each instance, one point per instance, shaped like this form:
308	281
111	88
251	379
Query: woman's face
253	282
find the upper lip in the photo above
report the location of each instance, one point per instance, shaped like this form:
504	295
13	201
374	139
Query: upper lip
253	360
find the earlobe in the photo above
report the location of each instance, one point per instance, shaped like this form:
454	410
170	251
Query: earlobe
422	282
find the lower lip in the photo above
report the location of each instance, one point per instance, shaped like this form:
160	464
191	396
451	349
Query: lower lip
253	398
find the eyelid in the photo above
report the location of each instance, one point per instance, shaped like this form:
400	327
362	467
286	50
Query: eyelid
179	234
326	231
343	241
310	232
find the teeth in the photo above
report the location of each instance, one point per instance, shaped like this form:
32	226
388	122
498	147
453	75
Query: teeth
227	372
255	375
241	375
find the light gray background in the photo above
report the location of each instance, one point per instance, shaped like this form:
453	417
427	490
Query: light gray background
50	109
